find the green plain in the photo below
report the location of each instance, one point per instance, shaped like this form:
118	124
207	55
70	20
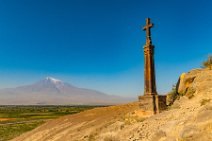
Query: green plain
25	118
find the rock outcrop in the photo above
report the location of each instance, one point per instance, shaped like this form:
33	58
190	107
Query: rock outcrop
194	82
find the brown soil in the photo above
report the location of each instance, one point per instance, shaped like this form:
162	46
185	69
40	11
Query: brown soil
6	119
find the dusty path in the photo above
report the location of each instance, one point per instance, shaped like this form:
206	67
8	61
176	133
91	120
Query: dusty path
21	122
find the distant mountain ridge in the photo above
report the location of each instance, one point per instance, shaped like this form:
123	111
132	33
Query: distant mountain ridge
51	91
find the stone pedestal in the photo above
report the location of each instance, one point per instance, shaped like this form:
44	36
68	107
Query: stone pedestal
154	103
150	101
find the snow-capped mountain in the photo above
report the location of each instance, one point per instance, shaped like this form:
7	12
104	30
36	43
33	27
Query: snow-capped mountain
54	91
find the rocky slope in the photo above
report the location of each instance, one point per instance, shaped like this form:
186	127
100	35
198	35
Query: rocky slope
188	119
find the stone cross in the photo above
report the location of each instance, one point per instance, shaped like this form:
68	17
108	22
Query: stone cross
147	27
150	101
149	68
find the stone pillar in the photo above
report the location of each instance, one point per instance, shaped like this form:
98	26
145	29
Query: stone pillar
149	71
150	101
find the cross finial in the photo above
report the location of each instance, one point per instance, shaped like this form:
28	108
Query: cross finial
147	27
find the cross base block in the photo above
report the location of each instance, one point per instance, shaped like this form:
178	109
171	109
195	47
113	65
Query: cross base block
153	103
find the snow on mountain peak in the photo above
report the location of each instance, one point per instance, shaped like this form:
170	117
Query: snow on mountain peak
53	80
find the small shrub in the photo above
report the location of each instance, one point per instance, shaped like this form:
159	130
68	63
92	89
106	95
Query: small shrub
122	126
204	101
91	137
140	119
190	92
172	96
208	62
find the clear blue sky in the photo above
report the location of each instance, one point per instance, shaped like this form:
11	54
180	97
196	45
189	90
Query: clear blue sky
98	43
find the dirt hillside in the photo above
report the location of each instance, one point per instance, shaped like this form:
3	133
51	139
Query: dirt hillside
188	119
